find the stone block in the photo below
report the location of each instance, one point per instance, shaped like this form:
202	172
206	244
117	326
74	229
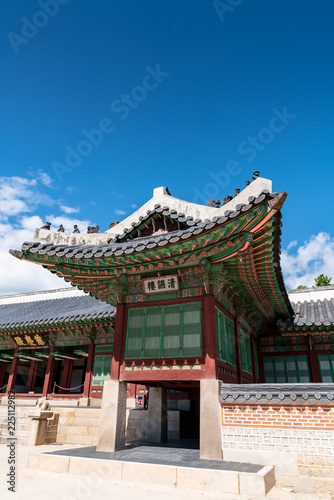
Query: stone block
52	463
87	413
96	468
93	431
183	405
210	421
111	435
136	414
153	474
173	435
78	439
315	471
257	484
208	480
173	425
284	463
156	429
79	430
87	421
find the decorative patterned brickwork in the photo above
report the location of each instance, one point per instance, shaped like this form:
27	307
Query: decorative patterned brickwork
279	416
288	421
314	449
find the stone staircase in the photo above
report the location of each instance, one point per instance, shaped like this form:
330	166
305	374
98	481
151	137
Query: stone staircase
22	425
80	425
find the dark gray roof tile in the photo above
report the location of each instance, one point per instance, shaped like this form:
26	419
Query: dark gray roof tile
53	311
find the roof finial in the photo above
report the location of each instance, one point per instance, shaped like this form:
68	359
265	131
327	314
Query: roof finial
255	175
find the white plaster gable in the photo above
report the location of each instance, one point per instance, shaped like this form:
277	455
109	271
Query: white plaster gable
160	197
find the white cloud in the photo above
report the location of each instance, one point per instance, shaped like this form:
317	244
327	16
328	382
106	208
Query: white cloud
69	210
44	178
21	276
19	198
18	195
302	265
134	206
119	212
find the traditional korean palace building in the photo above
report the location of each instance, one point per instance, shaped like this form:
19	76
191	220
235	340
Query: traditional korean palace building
181	296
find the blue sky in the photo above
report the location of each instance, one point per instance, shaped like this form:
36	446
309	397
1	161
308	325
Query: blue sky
177	90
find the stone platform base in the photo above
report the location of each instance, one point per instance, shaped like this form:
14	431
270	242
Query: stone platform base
201	476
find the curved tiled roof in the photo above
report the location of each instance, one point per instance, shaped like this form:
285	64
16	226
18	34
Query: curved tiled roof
53	311
297	393
320	312
117	248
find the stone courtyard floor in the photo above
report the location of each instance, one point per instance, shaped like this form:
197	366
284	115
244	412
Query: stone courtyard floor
43	485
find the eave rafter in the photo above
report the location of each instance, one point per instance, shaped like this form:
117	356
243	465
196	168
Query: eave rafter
245	241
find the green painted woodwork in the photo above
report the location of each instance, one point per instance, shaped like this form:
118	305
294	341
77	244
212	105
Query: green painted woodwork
282	369
249	281
102	367
164	331
245	352
225	338
326	363
104	348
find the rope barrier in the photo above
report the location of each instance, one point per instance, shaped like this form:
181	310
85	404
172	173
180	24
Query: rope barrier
3	387
68	389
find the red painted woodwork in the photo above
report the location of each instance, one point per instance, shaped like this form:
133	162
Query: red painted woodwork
119	337
315	373
89	371
12	374
209	342
31	376
132	391
144	376
48	374
67	374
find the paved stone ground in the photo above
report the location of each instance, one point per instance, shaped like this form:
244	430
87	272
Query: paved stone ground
42	485
180	453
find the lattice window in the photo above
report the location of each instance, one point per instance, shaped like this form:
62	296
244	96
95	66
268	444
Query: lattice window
225	338
282	369
102	367
245	352
164	331
326	363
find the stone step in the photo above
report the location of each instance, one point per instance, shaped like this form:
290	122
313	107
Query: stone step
245	483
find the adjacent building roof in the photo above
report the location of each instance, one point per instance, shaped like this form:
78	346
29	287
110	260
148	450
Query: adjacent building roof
57	306
313	306
298	394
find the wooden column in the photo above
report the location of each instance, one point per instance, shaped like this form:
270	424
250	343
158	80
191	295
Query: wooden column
67	373
209	341
89	371
118	341
31	376
315	373
132	391
12	374
237	349
48	374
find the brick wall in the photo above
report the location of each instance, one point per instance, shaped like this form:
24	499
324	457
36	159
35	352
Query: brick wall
279	416
289	426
